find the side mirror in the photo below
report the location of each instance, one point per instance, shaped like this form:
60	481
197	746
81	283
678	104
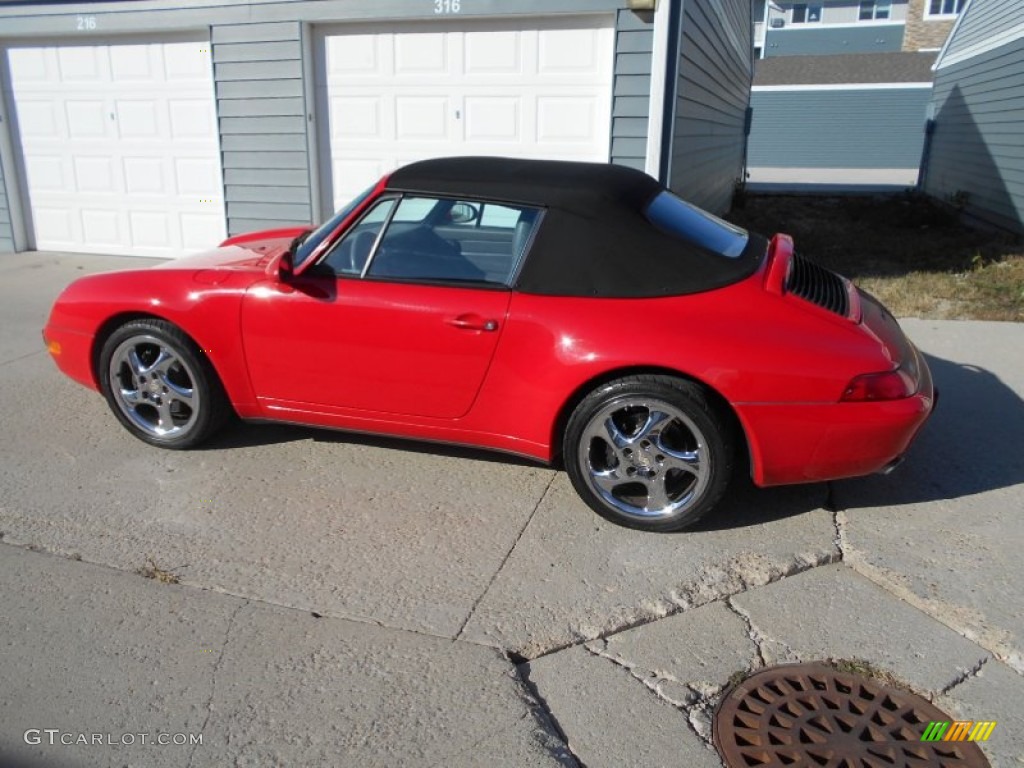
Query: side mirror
285	268
463	213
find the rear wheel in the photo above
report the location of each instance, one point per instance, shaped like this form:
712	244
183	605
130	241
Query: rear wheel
649	452
160	386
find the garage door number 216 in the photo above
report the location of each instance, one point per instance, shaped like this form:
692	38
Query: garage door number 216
447	6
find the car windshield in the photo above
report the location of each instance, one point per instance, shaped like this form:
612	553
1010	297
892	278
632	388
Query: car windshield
310	243
689	223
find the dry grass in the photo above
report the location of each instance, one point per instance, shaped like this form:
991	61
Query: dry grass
152	571
910	253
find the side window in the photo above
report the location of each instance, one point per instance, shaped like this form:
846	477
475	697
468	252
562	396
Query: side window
349	255
453	241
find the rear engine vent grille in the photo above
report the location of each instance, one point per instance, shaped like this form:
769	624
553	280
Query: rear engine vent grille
818	285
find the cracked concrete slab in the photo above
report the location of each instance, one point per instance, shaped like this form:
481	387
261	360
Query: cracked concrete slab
293	516
610	718
994	693
834	612
576	577
686	656
93	650
944	531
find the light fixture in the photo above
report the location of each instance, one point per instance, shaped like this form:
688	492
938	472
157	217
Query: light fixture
643	5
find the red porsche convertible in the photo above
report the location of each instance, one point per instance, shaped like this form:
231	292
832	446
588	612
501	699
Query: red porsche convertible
575	313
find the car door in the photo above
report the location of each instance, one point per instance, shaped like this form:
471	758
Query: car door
395	319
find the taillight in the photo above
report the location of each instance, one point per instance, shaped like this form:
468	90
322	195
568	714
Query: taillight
887	385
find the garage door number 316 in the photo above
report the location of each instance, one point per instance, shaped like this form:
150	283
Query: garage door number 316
447	6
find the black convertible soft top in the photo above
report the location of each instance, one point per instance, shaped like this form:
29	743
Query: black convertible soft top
595	239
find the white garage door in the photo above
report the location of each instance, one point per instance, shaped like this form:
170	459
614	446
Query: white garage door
120	147
519	88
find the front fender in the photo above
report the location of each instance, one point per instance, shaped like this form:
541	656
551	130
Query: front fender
209	313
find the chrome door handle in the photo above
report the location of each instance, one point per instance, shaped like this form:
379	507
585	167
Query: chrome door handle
473	323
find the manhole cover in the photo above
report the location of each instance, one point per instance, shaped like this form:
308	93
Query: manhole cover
811	715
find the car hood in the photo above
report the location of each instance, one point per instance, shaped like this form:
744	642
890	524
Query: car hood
245	252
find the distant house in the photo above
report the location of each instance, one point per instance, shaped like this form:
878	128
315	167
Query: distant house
976	155
155	127
849	121
787	28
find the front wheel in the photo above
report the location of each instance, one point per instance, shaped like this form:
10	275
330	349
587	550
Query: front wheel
160	386
649	452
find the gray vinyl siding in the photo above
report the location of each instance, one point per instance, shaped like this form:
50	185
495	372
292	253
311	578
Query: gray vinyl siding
712	95
977	150
6	233
983	19
263	79
838	129
261	108
804	41
631	103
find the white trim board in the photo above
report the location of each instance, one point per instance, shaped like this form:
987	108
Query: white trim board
659	69
841	87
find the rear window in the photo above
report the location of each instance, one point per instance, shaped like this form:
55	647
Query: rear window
690	224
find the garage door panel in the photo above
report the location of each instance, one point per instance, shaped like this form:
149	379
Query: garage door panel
571	51
422	118
356	117
101	228
490	53
46	173
191	118
140	119
135	62
86	119
118	142
525	88
144	175
95	175
423	54
83	65
493	119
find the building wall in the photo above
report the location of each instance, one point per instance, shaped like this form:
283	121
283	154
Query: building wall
264	75
977	156
863	128
841	12
631	102
924	33
981	21
261	104
807	39
712	96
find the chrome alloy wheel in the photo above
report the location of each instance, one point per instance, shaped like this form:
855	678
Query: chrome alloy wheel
154	387
644	457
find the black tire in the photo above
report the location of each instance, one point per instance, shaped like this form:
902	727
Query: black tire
639	441
168	394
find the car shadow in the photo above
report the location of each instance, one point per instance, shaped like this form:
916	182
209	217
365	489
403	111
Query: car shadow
250	434
970	445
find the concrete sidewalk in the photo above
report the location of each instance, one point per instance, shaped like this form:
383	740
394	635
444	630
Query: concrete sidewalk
353	601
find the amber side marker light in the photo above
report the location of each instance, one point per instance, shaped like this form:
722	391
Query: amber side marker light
53	347
887	385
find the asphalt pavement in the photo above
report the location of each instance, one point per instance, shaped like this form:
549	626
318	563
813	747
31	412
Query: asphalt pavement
330	599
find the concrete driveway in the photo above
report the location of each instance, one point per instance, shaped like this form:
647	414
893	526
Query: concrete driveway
352	600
